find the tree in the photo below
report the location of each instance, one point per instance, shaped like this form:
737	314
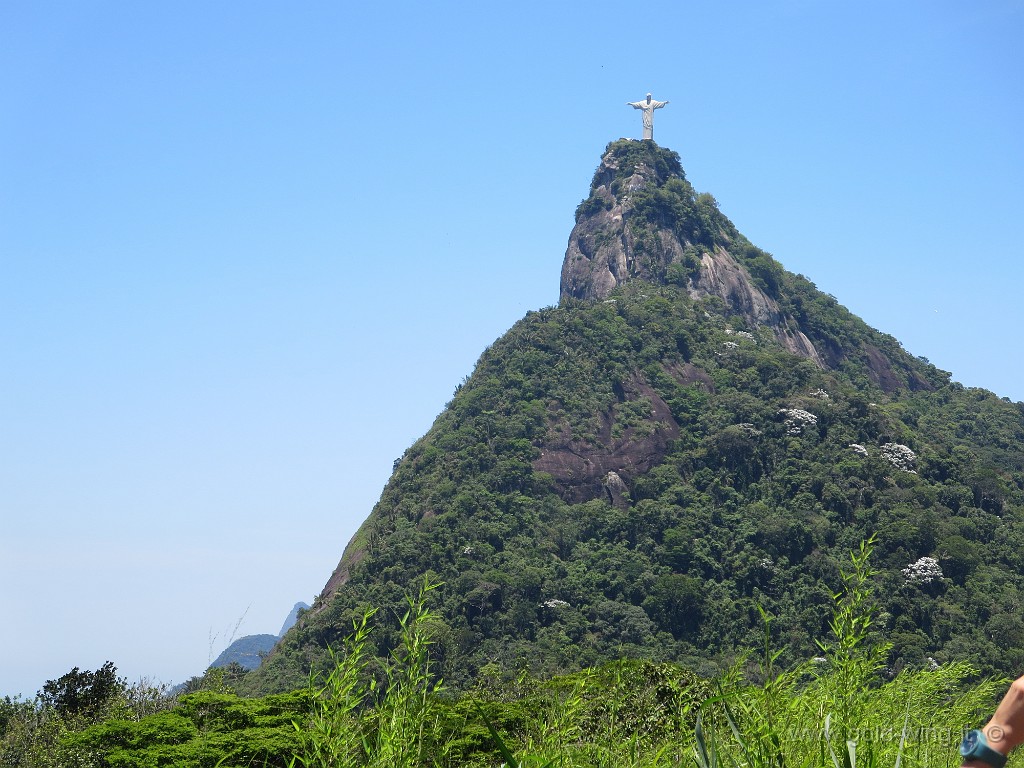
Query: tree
82	693
677	603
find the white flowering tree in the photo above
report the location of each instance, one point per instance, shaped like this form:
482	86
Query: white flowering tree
900	456
796	420
924	570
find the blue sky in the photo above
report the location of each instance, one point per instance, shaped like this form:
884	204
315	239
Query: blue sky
248	251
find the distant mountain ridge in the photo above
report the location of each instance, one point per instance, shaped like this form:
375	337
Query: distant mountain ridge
693	433
248	651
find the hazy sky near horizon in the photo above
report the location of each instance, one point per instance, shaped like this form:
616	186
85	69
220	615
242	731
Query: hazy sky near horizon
248	251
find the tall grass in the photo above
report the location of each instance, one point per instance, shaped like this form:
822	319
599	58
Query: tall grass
332	737
840	710
355	724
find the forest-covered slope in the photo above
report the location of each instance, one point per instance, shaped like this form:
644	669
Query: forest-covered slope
694	432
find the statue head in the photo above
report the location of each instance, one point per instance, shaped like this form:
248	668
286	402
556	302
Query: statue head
648	97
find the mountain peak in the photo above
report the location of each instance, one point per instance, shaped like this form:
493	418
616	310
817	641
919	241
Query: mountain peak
692	430
643	220
607	245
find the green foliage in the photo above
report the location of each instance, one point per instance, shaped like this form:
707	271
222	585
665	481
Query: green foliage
205	729
842	709
629	154
403	716
733	512
19	728
352	726
82	694
332	736
590	206
223	679
839	710
44	732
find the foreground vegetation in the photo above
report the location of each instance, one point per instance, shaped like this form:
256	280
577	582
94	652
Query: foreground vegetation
843	709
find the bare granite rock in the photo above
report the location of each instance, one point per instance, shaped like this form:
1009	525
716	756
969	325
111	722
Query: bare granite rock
612	243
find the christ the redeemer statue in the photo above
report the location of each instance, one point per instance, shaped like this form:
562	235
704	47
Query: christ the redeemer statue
648	106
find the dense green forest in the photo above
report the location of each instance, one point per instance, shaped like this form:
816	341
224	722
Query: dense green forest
776	468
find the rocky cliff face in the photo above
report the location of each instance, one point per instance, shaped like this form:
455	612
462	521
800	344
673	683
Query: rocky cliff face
722	276
643	221
602	247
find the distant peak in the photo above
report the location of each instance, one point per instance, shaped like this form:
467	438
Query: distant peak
292	617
